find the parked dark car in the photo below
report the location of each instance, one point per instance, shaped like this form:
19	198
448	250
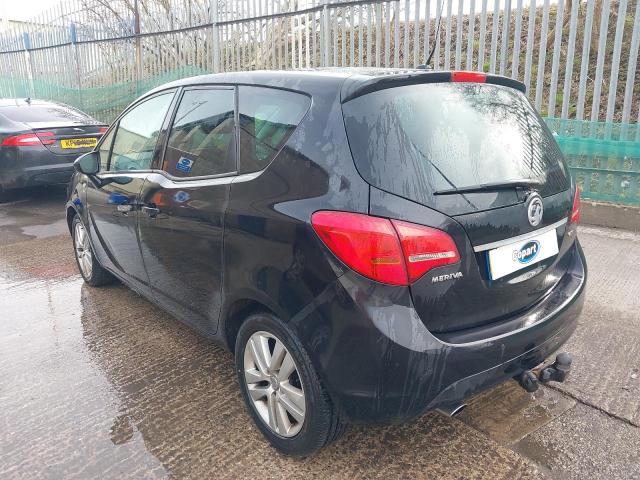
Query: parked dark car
40	140
370	244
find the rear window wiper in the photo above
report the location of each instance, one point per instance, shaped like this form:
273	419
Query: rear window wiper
491	187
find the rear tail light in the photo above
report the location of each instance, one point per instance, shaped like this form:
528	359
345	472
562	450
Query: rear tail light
368	245
424	248
473	77
29	139
47	138
574	218
388	251
103	130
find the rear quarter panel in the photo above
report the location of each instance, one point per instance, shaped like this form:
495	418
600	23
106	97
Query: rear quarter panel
271	253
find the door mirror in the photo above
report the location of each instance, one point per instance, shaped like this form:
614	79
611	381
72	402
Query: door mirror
89	163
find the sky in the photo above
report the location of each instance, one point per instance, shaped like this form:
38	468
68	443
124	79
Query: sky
24	9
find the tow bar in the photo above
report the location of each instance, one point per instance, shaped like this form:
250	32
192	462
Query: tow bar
554	372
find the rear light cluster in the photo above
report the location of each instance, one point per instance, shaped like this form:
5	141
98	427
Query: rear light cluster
29	139
36	139
574	218
46	138
388	251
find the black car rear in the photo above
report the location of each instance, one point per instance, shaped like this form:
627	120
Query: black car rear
370	244
473	152
39	141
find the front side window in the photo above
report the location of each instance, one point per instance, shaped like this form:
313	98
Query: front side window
105	148
268	117
201	141
137	134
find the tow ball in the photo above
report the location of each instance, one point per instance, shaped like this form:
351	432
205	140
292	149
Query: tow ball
554	372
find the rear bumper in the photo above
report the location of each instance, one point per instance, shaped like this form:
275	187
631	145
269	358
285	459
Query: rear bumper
381	364
38	175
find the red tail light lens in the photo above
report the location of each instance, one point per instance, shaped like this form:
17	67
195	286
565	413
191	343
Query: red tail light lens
46	138
368	245
388	251
424	248
29	139
103	130
575	210
473	77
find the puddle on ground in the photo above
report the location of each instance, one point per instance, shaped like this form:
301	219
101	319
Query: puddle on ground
59	227
33	213
61	403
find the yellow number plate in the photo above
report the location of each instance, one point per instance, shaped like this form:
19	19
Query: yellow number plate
79	143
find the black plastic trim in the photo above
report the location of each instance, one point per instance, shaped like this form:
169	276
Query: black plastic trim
418	77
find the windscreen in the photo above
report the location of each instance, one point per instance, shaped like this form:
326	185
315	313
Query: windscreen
416	140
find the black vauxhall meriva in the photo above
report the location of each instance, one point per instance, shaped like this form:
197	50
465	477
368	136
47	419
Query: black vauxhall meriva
370	244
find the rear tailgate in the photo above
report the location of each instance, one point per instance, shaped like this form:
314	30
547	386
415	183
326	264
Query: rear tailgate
423	142
70	140
62	129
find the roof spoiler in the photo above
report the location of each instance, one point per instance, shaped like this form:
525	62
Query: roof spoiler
416	77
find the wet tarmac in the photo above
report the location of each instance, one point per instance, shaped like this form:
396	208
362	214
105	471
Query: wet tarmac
99	383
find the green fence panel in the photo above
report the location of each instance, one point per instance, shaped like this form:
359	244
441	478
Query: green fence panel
603	157
103	102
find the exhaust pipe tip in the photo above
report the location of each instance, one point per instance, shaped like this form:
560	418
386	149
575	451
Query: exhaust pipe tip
452	410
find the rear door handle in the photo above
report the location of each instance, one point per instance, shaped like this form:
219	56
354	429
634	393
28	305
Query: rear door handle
150	211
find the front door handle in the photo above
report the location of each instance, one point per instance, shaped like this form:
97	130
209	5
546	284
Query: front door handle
124	208
151	211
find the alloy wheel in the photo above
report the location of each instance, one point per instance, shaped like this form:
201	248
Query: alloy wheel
274	384
83	250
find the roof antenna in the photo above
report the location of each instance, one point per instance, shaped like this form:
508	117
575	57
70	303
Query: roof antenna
435	41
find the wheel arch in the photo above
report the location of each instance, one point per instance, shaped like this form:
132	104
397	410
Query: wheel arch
71	212
235	316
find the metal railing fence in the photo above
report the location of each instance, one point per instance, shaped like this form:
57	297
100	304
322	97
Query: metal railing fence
578	59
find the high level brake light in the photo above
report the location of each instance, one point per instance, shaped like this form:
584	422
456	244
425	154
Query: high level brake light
388	251
472	77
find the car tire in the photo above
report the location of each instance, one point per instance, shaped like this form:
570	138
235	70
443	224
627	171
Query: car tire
91	271
321	424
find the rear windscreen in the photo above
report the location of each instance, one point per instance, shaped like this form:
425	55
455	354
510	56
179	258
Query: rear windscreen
415	140
42	113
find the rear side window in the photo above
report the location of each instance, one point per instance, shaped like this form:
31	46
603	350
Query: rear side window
415	140
201	141
268	116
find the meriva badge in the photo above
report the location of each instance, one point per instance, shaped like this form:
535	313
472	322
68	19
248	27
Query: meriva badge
527	252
